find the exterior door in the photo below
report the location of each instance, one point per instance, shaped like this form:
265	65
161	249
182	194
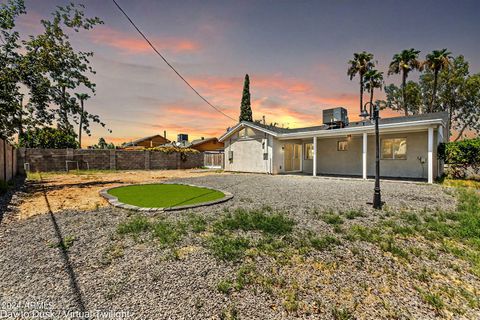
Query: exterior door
292	156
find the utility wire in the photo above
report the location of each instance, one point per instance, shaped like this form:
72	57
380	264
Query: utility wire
168	63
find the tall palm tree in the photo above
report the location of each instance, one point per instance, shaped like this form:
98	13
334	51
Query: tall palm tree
373	80
436	61
403	63
360	64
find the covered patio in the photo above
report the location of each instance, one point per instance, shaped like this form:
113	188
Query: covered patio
407	152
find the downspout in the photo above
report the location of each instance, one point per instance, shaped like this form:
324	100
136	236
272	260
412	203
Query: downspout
266	151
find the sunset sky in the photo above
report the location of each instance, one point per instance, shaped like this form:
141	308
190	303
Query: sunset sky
295	52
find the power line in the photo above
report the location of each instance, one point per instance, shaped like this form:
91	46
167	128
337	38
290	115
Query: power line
168	63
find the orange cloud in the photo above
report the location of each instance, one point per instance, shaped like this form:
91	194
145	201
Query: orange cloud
194	112
133	44
289	102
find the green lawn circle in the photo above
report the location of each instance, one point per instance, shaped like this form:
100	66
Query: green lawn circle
164	195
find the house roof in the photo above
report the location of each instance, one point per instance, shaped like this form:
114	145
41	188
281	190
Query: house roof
181	144
437	117
200	141
132	143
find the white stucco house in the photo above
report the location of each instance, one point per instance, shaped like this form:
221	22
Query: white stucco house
408	148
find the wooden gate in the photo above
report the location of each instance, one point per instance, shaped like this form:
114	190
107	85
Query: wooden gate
213	159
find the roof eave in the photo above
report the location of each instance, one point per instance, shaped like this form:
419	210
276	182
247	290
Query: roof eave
245	124
347	130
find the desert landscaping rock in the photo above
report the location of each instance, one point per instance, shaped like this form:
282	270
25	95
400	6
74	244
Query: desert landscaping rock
147	282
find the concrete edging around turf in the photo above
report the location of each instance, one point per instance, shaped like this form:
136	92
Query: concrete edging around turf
116	203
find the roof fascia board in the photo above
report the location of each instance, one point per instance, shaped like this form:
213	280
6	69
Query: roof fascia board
241	125
369	128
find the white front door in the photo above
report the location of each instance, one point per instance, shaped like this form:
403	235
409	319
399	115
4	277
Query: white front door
292	156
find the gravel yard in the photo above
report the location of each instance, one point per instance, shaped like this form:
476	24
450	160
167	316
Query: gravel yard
96	260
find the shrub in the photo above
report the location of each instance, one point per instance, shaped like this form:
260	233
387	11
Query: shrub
184	152
460	156
49	137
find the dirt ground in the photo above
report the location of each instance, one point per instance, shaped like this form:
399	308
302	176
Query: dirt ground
79	190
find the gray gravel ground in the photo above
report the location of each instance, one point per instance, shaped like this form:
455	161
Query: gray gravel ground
149	284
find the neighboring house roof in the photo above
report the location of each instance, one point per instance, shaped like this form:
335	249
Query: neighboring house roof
181	144
135	142
421	119
201	141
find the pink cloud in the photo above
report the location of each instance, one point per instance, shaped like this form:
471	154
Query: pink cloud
133	44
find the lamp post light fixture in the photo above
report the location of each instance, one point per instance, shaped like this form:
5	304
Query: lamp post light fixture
377	197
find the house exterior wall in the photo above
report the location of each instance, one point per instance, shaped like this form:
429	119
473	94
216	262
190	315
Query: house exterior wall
417	146
331	161
247	153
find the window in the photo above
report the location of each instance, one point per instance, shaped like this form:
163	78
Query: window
246	133
308	151
394	148
342	145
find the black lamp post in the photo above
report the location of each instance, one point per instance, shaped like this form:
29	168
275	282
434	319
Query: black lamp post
377	198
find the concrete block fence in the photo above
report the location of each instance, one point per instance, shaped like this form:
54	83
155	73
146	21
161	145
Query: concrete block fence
43	160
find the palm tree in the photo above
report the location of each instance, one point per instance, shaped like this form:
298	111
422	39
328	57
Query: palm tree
361	63
373	79
403	63
435	62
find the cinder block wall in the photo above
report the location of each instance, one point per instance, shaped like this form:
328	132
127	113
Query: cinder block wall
55	159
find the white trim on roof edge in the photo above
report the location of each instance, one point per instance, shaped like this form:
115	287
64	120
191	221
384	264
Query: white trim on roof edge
245	124
335	132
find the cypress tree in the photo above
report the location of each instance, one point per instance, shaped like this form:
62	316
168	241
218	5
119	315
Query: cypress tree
245	107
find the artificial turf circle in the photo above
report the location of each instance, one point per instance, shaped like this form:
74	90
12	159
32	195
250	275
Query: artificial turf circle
164	195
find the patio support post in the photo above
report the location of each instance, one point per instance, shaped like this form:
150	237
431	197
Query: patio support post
364	156
430	155
314	156
440	163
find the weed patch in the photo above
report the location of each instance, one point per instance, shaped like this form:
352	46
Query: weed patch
134	225
228	247
66	243
167	233
269	223
324	243
352	214
332	218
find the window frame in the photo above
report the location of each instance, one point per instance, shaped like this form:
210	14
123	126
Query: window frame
246	136
306	155
342	141
400	139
